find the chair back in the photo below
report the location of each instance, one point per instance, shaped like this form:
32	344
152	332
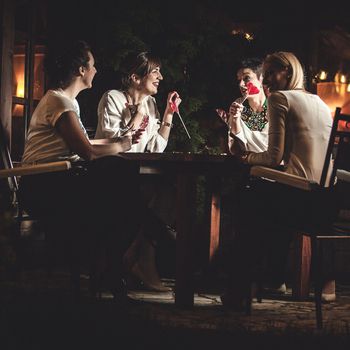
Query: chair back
338	150
5	159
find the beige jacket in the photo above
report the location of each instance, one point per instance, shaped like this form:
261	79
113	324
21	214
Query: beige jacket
299	128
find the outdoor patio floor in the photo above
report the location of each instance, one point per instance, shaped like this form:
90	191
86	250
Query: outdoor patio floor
41	314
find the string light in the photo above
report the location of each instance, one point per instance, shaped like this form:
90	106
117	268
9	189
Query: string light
342	78
322	75
246	35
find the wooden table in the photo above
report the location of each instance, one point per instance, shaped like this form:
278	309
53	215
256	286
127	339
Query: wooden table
302	266
187	167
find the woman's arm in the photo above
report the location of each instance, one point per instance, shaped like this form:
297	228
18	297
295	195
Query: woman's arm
70	130
102	141
234	117
166	124
277	112
233	121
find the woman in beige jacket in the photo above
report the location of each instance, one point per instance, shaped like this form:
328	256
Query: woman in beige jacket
299	129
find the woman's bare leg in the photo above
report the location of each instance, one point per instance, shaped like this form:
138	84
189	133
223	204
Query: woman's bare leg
140	261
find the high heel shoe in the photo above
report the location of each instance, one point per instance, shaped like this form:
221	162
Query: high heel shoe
108	282
232	303
139	277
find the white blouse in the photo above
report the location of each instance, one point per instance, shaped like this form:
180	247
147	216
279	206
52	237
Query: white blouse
113	116
249	140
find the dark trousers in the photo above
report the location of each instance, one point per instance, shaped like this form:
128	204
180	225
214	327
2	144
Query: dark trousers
94	204
266	211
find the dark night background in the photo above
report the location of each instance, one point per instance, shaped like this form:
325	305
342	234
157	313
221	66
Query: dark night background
199	53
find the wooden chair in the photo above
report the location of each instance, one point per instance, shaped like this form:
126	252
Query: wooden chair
338	153
10	175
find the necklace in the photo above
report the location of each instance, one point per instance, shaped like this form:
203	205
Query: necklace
132	107
255	121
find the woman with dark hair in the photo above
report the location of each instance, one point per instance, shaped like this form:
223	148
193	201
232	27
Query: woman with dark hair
246	119
134	108
84	210
299	130
248	128
57	115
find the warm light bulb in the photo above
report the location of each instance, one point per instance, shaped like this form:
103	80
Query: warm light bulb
20	88
322	75
343	78
348	88
248	36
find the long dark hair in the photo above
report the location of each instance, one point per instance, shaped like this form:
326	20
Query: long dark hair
140	64
64	66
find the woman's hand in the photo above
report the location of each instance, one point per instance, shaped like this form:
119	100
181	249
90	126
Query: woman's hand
173	102
235	110
222	114
138	113
136	136
234	114
125	142
243	157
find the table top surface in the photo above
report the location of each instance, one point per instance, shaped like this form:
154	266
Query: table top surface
180	157
188	162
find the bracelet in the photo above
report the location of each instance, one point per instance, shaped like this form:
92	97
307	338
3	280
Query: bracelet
244	158
170	125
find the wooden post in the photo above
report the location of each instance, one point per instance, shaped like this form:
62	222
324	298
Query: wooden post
185	217
6	55
302	264
215	206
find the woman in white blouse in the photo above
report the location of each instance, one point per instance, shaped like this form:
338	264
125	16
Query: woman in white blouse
133	108
248	131
246	120
300	126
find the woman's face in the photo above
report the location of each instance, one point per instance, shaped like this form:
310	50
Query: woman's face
90	71
275	78
149	84
246	75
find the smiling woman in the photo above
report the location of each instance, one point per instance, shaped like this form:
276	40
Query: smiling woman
133	108
299	128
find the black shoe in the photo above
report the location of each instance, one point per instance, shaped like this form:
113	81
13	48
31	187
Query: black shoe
170	232
279	289
232	303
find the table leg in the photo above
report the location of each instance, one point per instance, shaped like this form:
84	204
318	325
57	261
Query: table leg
185	217
214	213
302	266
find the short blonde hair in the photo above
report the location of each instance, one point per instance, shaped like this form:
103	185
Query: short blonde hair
288	60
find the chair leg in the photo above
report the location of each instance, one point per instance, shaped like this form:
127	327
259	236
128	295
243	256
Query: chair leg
317	261
75	281
254	288
248	305
259	291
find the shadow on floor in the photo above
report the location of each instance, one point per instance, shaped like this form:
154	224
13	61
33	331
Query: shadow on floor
40	315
